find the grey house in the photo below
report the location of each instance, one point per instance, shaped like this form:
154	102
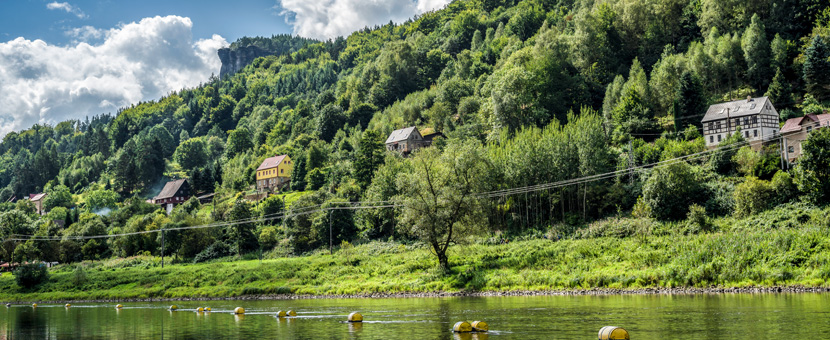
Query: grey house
405	140
756	119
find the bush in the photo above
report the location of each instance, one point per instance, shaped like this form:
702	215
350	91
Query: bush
752	196
669	190
30	275
78	276
697	221
214	251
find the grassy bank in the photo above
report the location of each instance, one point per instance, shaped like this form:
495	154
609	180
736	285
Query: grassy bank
747	254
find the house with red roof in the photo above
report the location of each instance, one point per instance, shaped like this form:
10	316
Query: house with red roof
174	193
274	173
796	130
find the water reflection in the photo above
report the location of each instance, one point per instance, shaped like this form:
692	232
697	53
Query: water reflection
645	317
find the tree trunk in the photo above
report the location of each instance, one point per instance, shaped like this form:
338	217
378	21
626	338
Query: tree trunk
443	261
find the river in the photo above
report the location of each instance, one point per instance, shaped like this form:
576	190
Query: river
727	316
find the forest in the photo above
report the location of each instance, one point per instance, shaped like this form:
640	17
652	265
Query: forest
562	119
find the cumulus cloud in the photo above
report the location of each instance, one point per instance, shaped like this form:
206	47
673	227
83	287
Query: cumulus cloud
42	83
66	7
323	19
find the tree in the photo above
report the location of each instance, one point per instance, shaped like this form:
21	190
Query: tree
779	90
817	67
689	102
813	169
241	236
330	119
30	275
370	156
752	196
665	185
58	196
13	222
439	205
191	153
757	53
239	141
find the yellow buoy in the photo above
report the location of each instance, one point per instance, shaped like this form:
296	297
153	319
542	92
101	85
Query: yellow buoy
200	310
480	326
207	309
291	313
34	305
174	307
67	305
239	310
613	333
355	317
119	306
281	314
462	327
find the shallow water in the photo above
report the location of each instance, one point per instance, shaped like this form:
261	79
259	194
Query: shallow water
733	316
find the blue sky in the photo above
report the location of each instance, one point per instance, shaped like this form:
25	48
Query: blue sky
62	60
32	19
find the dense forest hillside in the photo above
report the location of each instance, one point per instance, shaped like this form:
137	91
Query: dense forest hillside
572	100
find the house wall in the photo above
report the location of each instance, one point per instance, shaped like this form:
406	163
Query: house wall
753	128
275	177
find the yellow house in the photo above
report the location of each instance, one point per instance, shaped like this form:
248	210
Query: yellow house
274	172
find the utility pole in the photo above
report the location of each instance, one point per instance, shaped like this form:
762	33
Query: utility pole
331	243
728	124
162	248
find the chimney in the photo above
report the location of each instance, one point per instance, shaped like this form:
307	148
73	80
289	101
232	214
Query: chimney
748	98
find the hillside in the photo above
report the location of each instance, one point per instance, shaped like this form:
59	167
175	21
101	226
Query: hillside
554	115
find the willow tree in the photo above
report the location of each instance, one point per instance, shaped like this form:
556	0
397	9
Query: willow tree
439	196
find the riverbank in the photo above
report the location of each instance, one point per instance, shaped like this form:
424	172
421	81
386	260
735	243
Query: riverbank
581	292
791	259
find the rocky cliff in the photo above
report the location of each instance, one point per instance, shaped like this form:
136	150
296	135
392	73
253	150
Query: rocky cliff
236	59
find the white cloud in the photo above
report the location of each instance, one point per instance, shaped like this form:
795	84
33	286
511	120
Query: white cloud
66	7
325	19
42	83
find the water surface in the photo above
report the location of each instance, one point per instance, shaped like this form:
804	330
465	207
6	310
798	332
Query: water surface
732	316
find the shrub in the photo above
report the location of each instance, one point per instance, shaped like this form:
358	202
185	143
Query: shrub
697	221
30	275
78	276
669	190
214	251
752	196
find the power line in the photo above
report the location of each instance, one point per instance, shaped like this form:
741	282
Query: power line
359	205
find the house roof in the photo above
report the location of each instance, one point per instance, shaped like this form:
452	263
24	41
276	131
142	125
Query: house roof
270	163
170	189
795	124
36	197
736	108
401	134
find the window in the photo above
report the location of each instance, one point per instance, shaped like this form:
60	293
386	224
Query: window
711	139
791	149
746	120
754	119
718	126
719	138
755	133
710	125
282	171
746	134
809	128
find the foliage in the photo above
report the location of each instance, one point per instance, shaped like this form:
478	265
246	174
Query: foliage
439	206
752	196
31	275
665	185
813	169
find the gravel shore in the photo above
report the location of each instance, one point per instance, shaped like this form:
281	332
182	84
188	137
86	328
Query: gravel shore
578	292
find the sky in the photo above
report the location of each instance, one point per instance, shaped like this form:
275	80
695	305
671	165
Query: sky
63	60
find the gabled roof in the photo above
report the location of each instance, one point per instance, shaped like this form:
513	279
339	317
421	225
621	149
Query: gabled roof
270	163
736	108
401	134
36	197
795	124
170	189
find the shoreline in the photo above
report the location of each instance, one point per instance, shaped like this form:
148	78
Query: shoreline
577	292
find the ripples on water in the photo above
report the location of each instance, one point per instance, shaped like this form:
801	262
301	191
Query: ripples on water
764	316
